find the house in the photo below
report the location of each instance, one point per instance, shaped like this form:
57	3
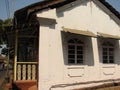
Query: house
66	45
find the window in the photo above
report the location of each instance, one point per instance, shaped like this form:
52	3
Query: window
75	51
108	52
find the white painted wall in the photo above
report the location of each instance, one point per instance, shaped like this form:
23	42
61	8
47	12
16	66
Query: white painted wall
53	72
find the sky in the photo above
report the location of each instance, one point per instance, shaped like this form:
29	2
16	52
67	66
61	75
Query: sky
18	4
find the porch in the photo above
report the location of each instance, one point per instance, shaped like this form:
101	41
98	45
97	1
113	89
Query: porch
25	58
26	71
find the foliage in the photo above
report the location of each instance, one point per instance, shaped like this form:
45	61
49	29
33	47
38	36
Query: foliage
7	22
4	51
3	25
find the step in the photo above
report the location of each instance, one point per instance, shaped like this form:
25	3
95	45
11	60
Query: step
23	84
34	87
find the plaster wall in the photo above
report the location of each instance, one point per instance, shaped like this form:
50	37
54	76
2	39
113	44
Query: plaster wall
54	73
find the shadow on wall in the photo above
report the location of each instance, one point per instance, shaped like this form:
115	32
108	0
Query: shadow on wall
60	11
88	52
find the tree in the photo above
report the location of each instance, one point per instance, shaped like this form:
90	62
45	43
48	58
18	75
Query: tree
7	22
3	25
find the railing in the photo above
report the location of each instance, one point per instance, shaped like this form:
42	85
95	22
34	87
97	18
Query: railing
26	70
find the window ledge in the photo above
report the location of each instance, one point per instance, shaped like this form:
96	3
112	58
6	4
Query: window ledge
108	65
76	67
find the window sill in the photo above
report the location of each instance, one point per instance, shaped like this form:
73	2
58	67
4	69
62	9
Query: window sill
108	65
76	66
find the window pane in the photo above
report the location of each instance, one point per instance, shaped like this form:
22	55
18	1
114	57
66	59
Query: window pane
71	61
79	47
111	49
111	61
80	61
79	42
105	57
79	56
105	44
111	57
105	61
71	41
111	53
104	49
71	47
75	51
108	52
71	51
79	52
104	53
71	56
110	44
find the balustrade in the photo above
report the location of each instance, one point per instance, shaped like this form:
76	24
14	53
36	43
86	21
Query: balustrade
26	71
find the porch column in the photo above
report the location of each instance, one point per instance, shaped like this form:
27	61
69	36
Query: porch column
15	57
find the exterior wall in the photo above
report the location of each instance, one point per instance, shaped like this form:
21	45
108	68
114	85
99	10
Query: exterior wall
87	16
54	74
51	59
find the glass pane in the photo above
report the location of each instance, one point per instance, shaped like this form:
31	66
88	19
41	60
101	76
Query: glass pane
105	61
110	44
71	56
71	41
111	53
111	61
111	57
79	47
104	53
79	52
111	49
105	57
107	44
104	49
71	61
79	56
71	47
71	51
80	61
79	42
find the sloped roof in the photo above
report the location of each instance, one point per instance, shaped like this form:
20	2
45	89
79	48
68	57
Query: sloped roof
25	12
113	10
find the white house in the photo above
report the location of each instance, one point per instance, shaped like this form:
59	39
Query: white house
78	44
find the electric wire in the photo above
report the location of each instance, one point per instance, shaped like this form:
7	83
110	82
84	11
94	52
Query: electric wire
7	8
12	8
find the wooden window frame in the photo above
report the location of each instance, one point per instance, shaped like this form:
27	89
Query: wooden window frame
76	52
108	53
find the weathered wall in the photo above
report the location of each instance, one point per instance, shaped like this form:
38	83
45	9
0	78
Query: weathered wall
53	71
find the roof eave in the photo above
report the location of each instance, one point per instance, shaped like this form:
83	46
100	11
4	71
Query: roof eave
27	11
